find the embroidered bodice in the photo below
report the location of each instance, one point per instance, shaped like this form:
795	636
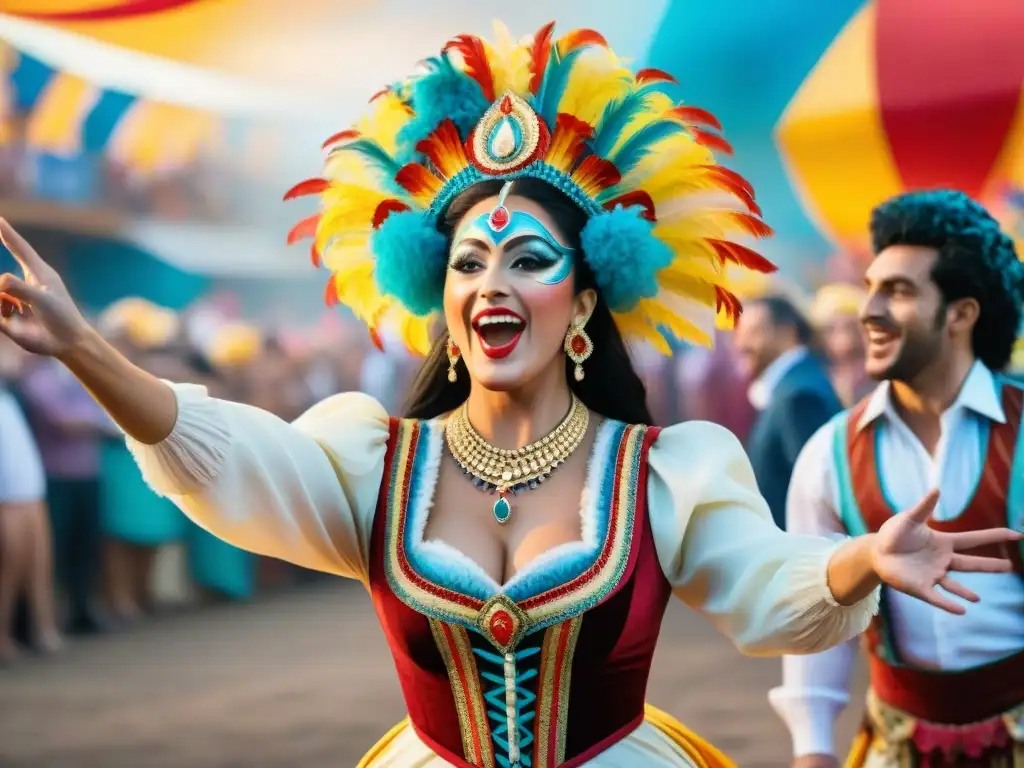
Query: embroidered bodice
550	668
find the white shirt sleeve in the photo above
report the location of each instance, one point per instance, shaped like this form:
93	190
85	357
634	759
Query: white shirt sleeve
304	492
22	477
815	688
765	589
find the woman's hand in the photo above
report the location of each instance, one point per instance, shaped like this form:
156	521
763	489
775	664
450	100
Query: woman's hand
36	311
913	558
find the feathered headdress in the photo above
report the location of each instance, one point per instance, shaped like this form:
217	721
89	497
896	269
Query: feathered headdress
640	164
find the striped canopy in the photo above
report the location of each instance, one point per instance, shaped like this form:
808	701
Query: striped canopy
61	114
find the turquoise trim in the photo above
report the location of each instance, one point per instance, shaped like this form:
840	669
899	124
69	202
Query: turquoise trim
497	713
986	429
849	511
1015	493
538	169
544	575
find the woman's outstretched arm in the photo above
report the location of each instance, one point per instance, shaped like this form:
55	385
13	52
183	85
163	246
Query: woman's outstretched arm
303	492
40	316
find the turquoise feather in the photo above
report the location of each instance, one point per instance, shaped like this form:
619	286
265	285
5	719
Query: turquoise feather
641	143
556	78
373	152
620	113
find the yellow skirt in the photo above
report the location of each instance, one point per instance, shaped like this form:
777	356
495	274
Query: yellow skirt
661	741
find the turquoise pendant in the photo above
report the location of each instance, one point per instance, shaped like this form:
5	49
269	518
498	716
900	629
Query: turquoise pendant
502	510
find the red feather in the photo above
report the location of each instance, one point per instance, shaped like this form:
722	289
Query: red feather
711	140
347	135
539	55
475	58
565	121
734	253
751	224
578	38
444	140
379	93
636	197
305	228
314	255
694	116
415	178
597	170
652	75
721	170
331	293
729	184
307	187
376	339
727	301
385	208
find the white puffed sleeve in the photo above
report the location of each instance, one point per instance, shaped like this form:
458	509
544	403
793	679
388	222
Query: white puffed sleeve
304	492
726	558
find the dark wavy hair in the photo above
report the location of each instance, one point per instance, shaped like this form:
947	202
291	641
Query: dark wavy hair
611	386
976	260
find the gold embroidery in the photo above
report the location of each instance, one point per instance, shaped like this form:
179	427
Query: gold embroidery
458	660
555	674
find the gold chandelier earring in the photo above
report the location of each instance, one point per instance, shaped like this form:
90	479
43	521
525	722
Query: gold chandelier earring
454	353
578	347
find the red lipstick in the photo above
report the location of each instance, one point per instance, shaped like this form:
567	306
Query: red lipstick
498	317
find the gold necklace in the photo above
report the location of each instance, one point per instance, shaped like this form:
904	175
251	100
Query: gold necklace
505	472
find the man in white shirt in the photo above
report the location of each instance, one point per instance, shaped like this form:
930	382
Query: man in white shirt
942	312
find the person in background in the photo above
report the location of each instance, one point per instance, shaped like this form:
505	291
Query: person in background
946	679
790	389
222	571
136	522
70	427
26	561
835	315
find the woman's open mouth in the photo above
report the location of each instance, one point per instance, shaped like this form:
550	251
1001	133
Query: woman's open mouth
498	330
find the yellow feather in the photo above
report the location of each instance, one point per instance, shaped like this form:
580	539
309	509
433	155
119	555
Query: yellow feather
340	254
510	62
415	332
658	314
386	117
353	197
597	78
676	157
688	285
694	225
634	324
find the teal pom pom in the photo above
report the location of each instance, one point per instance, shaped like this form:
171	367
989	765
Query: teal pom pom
625	256
410	261
442	93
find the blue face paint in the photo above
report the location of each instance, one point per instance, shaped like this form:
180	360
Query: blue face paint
552	262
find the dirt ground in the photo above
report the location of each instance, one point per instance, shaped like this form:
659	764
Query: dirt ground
303	678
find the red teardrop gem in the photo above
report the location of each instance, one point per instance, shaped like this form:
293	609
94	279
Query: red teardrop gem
499	218
506	105
578	344
502	625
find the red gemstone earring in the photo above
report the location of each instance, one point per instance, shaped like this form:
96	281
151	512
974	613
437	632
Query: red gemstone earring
578	347
454	353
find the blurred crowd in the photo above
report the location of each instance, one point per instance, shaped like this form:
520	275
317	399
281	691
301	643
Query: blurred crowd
86	547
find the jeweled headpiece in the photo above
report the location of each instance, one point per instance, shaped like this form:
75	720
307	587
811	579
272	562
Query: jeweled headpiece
642	166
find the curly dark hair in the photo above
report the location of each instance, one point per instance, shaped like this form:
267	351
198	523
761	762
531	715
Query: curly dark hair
976	259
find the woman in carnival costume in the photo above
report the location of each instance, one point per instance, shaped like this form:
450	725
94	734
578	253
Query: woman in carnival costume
520	531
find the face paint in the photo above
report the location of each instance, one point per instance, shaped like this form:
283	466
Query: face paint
502	227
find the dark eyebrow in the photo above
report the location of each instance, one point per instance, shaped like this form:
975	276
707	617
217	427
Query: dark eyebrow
472	241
